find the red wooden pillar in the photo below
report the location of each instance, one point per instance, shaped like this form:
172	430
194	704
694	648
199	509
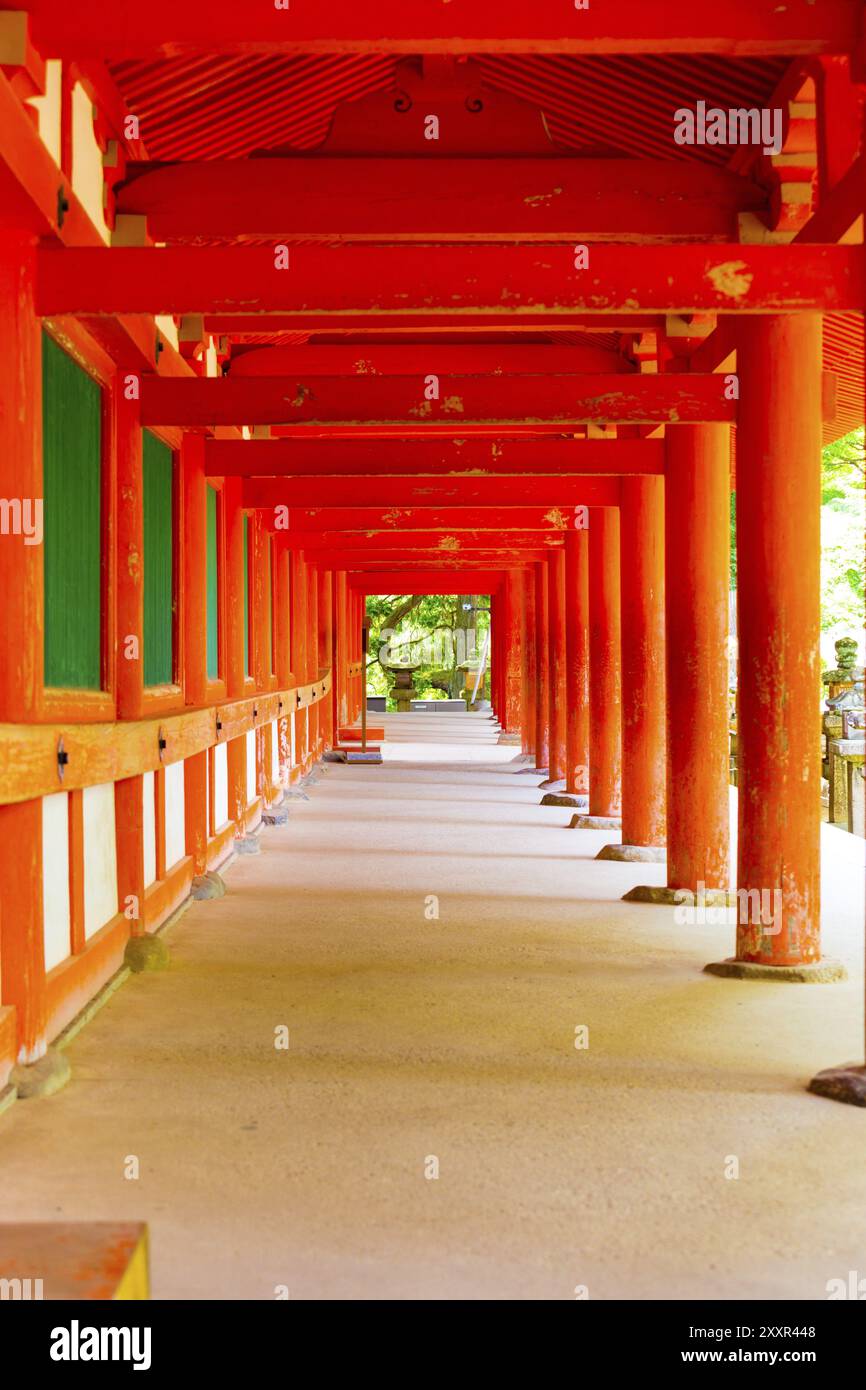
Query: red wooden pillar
129	612
697	578
495	619
577	661
605	678
542	647
340	657
512	625
299	652
21	640
194	552
313	655
556	660
22	946
236	751
529	646
326	619
778	606
642	579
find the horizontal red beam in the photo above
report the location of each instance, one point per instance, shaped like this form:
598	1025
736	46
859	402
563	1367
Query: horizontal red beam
432	559
504	542
416	323
102	28
416	580
437	281
418	199
542	402
404	520
420	359
432	492
249	458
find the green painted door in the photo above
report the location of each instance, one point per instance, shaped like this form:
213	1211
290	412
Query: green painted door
158	487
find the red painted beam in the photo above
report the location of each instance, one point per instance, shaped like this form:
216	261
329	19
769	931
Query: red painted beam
406	520
415	580
436	281
433	492
411	325
418	199
420	359
505	542
432	559
103	29
248	458
531	402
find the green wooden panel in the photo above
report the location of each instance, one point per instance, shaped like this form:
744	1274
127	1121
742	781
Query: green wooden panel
213	591
72	502
246	596
158	489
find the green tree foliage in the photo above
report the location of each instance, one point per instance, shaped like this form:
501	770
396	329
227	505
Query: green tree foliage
439	630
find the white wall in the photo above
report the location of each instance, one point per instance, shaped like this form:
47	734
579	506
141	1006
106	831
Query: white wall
221	785
55	878
149	836
251	766
100	858
175	830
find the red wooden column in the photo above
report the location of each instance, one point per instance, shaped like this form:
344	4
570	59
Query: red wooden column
495	620
313	655
529	647
778	606
236	751
577	662
642	578
300	632
512	715
194	552
605	676
326	619
542	702
340	650
697	577
556	660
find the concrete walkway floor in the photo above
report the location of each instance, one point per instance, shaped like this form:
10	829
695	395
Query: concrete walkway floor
416	1038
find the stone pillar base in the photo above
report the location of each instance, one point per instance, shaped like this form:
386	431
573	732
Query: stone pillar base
248	844
207	885
275	815
556	785
146	953
35	1080
595	823
847	1084
510	739
673	897
821	972
565	799
634	854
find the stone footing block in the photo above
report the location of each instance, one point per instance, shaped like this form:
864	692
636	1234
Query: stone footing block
634	854
35	1080
207	885
146	953
674	897
565	799
557	785
595	823
275	815
248	844
847	1084
820	972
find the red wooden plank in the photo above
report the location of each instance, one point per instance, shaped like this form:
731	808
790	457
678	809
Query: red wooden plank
450	281
368	458
406	520
535	401
420	359
103	29
443	492
467	199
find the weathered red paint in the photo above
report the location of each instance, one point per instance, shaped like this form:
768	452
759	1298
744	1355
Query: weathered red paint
778	608
697	492
577	660
542	706
556	665
605	670
643	661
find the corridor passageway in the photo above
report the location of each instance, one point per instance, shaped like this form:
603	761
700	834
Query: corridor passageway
453	1038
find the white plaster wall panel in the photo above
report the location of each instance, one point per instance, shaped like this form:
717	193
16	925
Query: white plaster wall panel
292	736
251	766
221	785
175	807
100	858
275	753
149	821
55	879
